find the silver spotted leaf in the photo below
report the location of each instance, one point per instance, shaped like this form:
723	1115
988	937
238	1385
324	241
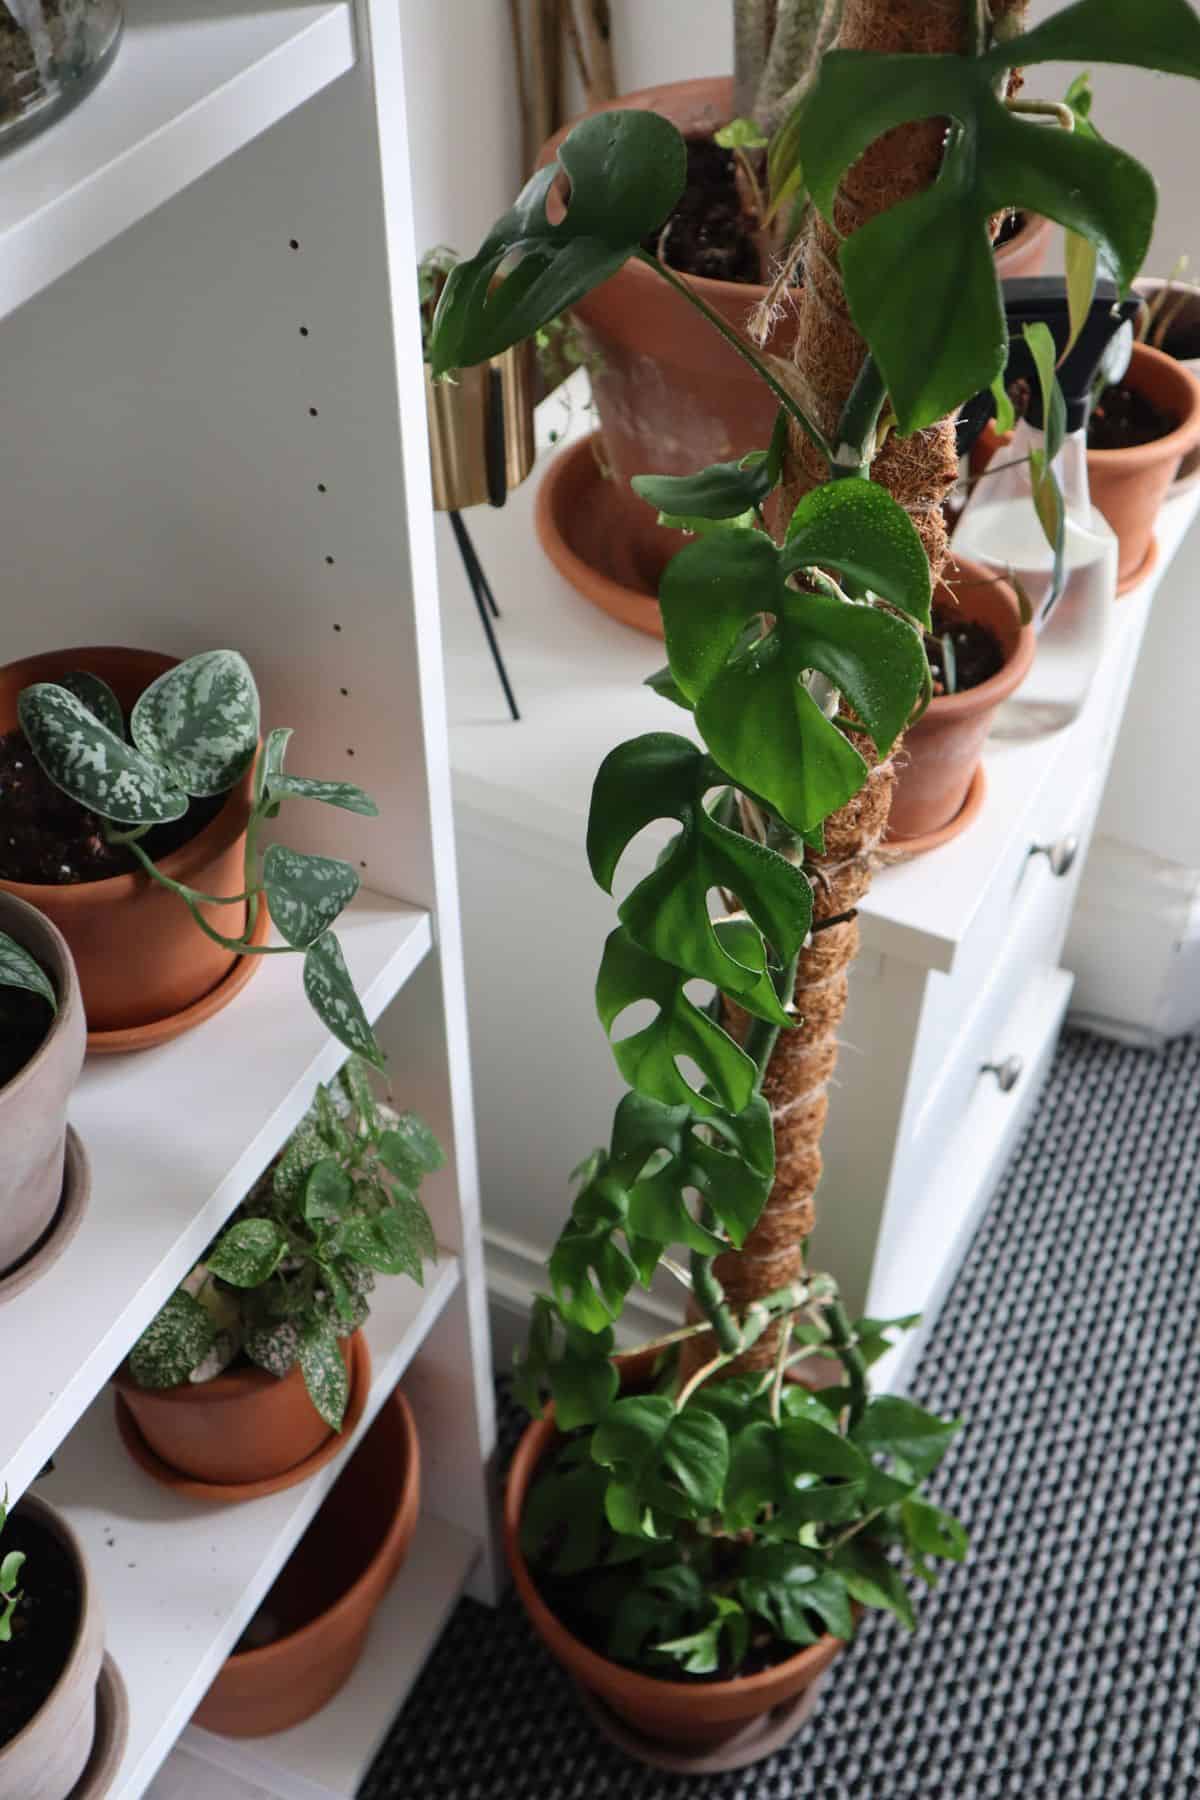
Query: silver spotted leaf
92	764
20	970
324	1371
200	721
173	1343
98	697
248	1253
274	1347
272	784
306	893
332	997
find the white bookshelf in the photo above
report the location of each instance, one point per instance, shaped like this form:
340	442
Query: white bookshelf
214	434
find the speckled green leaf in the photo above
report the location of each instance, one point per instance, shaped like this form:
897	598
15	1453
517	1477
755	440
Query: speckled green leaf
172	1344
306	893
409	1149
98	697
327	1192
91	764
20	970
332	997
248	1253
333	793
324	1371
200	721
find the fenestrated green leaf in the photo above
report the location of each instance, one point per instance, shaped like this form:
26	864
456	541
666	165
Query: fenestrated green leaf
804	1470
932	1532
324	1371
328	1192
626	171
648	1059
700	1651
872	1580
589	1272
20	970
92	764
173	1344
660	1153
788	1586
306	894
661	775
855	527
722	491
583	1378
658	1602
97	696
409	1149
661	1461
332	997
1155	34
248	1253
199	721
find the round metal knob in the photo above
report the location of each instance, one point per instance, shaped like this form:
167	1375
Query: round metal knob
1060	854
1007	1073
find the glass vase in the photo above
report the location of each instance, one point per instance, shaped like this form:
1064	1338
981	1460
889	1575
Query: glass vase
52	53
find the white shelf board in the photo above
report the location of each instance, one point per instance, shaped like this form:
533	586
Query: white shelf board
578	679
191	84
327	1757
176	1136
181	1579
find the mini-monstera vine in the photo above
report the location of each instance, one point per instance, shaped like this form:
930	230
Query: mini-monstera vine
192	735
717	1507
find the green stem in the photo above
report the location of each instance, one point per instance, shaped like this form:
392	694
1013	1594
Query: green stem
709	1296
857	425
738	343
763	1035
841	1336
701	1375
193	901
250	866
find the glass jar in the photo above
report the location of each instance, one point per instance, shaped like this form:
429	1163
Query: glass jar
52	52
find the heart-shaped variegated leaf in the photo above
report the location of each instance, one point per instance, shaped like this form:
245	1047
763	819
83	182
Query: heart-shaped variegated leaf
19	970
97	696
332	997
306	893
89	762
200	721
273	785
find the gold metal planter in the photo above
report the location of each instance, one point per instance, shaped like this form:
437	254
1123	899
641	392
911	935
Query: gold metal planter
481	438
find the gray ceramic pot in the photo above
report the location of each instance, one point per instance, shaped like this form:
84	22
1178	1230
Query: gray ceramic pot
47	1758
33	1105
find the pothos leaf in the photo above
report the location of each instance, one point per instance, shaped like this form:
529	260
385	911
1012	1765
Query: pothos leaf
18	969
97	696
199	721
700	1651
791	1588
306	894
92	764
332	997
562	1525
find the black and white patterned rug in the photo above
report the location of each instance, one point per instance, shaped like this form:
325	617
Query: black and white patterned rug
1062	1659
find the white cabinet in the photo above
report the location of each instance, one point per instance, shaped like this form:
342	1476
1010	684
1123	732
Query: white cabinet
213	402
959	967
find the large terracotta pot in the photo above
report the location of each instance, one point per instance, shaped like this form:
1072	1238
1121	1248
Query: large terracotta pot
322	1603
243	1426
693	1715
33	1105
1130	485
942	750
47	1758
139	955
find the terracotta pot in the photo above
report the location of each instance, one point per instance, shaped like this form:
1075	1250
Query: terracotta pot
942	750
323	1601
33	1105
245	1425
47	1758
138	953
1025	253
1130	485
694	1715
1189	314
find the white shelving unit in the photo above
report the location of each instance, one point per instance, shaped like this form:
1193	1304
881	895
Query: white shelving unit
212	389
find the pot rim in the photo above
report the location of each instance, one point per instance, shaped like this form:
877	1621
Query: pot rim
403	1521
221	832
65	980
1035	225
535	1441
1176	443
57	1526
1007	679
230	1384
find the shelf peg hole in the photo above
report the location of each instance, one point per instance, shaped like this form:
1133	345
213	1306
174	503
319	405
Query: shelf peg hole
329	560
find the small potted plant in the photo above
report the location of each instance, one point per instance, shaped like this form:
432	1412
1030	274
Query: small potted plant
135	802
1141	428
52	53
1170	321
41	1053
51	1651
255	1364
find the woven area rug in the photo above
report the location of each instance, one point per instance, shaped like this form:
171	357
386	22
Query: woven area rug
1062	1659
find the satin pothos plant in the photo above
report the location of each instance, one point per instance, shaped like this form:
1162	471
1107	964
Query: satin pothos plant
719	1510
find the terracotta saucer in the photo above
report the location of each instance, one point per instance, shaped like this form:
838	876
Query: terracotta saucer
900	849
161	1031
112	1732
232	1492
761	1738
76	1191
1148	562
576	528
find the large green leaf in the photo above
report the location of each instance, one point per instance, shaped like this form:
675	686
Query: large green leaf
199	721
661	1154
660	776
803	1470
332	997
855	527
662	1463
1154	34
306	894
20	970
92	764
648	1059
589	1271
626	171
789	1587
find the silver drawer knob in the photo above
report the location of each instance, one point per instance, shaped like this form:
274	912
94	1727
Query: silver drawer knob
1060	854
1007	1073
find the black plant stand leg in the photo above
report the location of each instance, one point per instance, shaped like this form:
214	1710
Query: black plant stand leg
484	600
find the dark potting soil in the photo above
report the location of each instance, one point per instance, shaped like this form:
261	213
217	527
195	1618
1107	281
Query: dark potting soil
978	654
24	1021
1013	223
1183	341
43	1626
1122	417
46	837
708	233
